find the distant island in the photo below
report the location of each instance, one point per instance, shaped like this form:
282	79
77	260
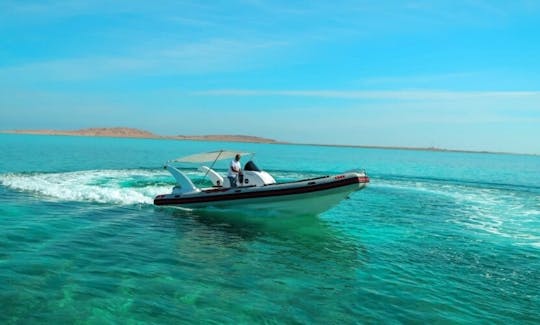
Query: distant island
224	137
124	132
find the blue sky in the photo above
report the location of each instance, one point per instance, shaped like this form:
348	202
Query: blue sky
449	74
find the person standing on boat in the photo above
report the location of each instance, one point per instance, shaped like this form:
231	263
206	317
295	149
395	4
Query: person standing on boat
234	170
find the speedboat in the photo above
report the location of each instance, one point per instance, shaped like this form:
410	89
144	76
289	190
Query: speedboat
257	190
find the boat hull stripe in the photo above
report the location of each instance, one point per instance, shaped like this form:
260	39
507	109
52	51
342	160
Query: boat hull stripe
159	200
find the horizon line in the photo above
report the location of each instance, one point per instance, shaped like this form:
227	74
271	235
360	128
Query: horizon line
139	134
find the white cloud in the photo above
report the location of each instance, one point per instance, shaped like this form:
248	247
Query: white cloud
212	55
418	79
379	95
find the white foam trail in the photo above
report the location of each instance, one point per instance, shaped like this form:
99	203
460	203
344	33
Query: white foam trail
499	212
125	187
102	186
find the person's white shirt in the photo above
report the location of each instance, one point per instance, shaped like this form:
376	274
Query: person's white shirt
236	165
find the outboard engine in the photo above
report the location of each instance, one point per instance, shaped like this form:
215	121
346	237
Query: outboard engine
254	176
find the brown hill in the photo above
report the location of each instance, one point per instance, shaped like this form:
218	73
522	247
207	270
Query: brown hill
94	132
136	133
114	132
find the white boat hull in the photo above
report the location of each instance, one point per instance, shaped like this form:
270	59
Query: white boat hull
299	204
305	197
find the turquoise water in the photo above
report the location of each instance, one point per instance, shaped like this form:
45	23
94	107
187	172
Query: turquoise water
435	237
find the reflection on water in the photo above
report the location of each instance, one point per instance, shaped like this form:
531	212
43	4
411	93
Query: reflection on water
237	262
303	236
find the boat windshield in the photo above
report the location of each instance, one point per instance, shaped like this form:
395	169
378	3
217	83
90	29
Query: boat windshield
250	165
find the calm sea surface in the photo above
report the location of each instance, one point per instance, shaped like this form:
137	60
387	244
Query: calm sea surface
435	237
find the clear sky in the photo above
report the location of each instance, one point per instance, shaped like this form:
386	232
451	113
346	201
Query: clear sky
448	74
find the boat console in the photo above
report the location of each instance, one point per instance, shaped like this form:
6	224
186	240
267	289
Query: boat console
251	176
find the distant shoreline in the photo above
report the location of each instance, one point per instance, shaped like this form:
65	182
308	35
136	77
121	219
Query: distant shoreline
122	132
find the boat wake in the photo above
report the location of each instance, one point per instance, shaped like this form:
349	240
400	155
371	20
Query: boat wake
109	186
125	187
495	210
504	211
